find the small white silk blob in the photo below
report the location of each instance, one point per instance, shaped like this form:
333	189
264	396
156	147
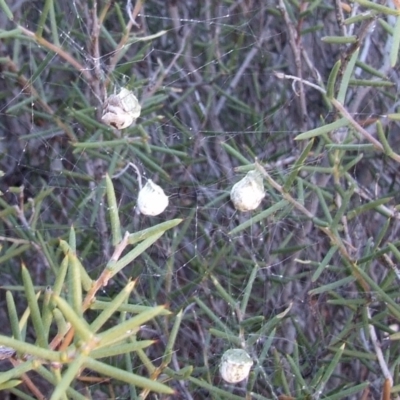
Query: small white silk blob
247	194
151	199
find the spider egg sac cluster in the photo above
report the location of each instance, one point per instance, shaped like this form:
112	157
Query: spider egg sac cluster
121	110
235	365
247	194
152	200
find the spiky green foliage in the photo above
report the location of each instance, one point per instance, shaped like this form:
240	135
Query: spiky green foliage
303	92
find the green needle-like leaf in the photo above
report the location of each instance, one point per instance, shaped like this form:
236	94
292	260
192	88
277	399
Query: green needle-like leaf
112	306
340	123
6	9
47	311
60	277
62	326
330	88
340	39
121	349
34	307
259	217
72	260
375	6
147	233
332	286
329	369
79	324
248	289
237	154
17	371
115	267
10	384
345	203
297	166
169	348
349	392
214	390
296	371
223	293
75	287
72	239
382	137
127	377
113	212
68	377
324	263
13	316
30	349
348	72
54	378
213	316
86	281
128	328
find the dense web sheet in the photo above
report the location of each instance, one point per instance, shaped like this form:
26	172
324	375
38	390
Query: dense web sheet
201	144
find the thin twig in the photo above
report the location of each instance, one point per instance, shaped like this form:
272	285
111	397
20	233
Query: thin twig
281	75
294	41
122	42
240	71
133	13
106	274
97	285
100	92
388	261
340	18
335	239
378	351
389	212
58	50
96	55
344	113
28	382
139	175
14	240
150	91
361	130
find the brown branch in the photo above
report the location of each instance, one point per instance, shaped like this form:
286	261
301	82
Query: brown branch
345	114
97	285
95	49
361	130
124	39
378	351
28	382
335	239
149	92
294	41
58	50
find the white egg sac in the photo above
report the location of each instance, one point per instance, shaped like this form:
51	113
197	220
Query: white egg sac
247	194
121	110
152	200
235	365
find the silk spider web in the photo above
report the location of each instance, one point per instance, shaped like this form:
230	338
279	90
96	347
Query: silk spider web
218	107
